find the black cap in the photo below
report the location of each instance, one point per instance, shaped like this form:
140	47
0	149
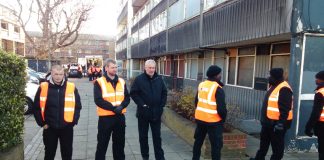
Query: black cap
320	75
213	70
277	73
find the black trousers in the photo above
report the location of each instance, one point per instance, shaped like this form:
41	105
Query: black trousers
51	137
143	126
320	141
277	141
108	125
215	134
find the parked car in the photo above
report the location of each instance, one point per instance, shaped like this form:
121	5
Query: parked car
31	89
39	75
74	72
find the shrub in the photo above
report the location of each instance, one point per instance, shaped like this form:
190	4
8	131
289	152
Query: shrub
234	117
183	102
12	98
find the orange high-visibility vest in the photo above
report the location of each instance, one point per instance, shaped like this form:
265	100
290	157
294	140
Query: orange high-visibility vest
321	90
69	100
115	97
273	105
207	106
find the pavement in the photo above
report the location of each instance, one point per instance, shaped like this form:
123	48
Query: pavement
85	136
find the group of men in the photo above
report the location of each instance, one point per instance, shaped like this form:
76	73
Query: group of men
57	110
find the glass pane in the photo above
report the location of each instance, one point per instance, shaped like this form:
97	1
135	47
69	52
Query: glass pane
176	14
188	62
245	71
136	65
281	62
192	8
207	63
181	68
281	48
194	69
246	51
231	70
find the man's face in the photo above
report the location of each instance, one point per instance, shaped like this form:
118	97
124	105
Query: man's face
111	69
57	76
150	69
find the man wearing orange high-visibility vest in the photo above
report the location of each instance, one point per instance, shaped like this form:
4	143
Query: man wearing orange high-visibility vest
276	116
112	98
210	113
57	109
315	124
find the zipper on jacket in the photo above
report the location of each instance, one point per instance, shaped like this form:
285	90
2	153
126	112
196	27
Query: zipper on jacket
58	113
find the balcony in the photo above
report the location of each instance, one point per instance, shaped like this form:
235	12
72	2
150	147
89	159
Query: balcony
137	4
122	18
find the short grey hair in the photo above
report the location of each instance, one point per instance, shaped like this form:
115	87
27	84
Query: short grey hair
57	67
150	61
108	61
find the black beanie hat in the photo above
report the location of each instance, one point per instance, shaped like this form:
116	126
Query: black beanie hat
213	70
320	75
276	73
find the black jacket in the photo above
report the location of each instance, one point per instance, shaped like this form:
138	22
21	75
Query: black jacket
221	104
151	92
54	110
313	122
100	102
285	103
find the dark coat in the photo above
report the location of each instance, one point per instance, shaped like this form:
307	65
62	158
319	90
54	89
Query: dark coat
313	122
151	92
221	104
100	102
285	101
54	110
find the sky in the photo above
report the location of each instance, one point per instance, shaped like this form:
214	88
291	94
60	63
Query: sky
102	18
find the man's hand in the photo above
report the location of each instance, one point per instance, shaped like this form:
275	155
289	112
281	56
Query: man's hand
119	109
278	127
45	126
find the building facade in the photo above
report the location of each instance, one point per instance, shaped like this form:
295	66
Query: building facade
244	37
86	46
12	36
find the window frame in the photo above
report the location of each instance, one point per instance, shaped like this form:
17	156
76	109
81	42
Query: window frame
237	56
280	54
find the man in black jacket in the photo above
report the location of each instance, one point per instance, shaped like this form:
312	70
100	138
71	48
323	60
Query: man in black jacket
315	124
210	113
150	94
276	116
57	109
112	98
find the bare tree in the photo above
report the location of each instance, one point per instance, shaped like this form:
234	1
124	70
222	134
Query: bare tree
58	20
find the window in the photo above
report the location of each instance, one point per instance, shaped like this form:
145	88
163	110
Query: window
159	23
219	59
17	29
280	57
211	3
246	58
136	64
176	13
231	66
179	66
208	61
165	65
192	8
192	66
144	32
241	66
4	25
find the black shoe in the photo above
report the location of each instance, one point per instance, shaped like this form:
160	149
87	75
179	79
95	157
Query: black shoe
252	158
145	158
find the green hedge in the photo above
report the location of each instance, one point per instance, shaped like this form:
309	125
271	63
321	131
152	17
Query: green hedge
12	99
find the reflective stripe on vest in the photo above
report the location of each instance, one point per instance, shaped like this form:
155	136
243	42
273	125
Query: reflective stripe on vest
115	97
321	90
206	110
69	101
273	105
